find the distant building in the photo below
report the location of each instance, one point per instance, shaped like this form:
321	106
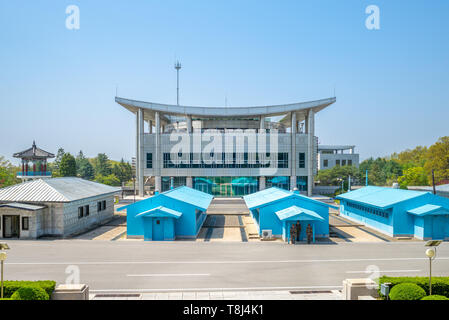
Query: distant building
54	207
331	156
38	159
175	214
241	169
398	213
274	210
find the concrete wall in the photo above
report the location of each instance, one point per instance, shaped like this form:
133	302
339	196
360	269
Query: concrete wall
34	218
284	146
69	214
332	158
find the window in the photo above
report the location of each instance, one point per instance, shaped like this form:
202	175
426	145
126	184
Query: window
343	162
302	160
349	162
149	160
25	223
98	206
86	210
104	204
325	163
80	212
337	162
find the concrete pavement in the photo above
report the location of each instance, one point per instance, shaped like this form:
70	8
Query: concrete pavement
149	267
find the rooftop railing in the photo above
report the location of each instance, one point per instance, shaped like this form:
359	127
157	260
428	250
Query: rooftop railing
34	174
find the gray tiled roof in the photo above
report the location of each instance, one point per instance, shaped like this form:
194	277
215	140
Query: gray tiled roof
54	190
33	152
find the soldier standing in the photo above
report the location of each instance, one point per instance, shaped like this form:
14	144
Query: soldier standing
298	231
292	234
309	233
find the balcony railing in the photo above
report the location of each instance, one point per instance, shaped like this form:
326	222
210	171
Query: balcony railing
34	174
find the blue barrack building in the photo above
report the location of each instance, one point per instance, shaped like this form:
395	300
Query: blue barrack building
398	213
174	214
276	209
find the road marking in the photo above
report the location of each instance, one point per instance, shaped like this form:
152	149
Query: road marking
218	262
338	287
170	275
383	271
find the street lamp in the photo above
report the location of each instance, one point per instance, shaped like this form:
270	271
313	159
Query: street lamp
3	246
431	253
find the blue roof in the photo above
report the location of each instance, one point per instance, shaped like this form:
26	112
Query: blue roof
160	212
192	196
185	194
430	209
380	196
267	196
297	213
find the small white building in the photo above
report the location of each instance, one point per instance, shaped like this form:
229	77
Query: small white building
331	156
54	207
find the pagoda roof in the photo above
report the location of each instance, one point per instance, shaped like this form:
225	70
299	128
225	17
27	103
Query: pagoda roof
33	153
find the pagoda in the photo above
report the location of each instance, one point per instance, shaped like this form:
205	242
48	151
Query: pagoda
38	159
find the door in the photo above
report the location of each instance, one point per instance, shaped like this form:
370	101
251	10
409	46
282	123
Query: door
158	229
439	223
11	226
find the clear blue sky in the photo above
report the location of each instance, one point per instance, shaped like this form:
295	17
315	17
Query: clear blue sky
57	86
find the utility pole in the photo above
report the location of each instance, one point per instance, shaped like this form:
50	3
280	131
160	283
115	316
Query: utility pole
177	67
433	181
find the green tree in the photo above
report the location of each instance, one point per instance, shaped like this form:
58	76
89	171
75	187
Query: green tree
415	176
7	173
84	168
67	167
438	160
329	177
123	171
110	180
102	165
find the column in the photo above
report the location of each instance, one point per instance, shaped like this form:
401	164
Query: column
293	153
140	151
310	149
189	182
23	167
157	163
262	123
189	124
262	181
150	126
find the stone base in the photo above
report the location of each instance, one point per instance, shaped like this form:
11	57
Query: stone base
355	288
71	292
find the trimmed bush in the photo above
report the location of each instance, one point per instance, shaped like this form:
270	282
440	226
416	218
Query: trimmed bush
30	293
440	285
12	286
407	291
435	297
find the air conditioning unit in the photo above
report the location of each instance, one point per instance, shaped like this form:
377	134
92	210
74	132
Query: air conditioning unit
267	234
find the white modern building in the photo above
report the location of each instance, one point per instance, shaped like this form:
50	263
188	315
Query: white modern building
331	156
253	148
54	207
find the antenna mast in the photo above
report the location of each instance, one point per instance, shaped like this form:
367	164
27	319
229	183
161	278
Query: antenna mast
177	67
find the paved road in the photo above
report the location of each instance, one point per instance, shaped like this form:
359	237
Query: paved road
129	266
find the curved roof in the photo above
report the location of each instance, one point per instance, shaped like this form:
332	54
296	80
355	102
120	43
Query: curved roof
33	153
223	112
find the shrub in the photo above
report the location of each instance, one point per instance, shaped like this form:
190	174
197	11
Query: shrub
12	286
435	297
407	291
440	285
30	293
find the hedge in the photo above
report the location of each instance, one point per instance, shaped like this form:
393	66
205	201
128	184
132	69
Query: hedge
435	297
440	285
31	292
407	291
12	286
